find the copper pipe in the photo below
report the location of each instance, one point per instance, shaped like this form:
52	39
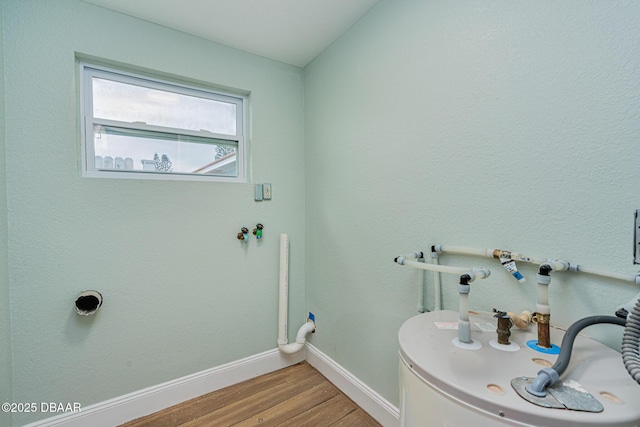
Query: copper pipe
544	338
504	329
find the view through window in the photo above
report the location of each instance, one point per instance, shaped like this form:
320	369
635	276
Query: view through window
145	127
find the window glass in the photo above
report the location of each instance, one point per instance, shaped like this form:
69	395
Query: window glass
137	126
136	150
132	103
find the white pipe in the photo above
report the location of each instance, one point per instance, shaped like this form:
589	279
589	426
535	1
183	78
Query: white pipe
421	290
503	256
489	253
419	256
283	301
474	272
470	274
436	283
464	327
624	277
558	265
543	315
433	267
283	305
295	347
414	255
542	306
464	250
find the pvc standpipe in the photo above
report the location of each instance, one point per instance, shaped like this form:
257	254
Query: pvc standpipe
283	301
283	305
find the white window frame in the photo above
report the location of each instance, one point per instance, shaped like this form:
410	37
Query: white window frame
89	70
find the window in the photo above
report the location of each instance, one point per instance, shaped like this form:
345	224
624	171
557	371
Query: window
141	127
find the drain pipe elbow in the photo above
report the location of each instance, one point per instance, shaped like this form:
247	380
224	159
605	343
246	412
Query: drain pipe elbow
301	338
291	348
308	328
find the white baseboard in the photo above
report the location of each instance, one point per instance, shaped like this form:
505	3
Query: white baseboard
147	401
363	395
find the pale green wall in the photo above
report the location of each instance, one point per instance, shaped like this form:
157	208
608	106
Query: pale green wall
497	124
181	293
487	124
5	317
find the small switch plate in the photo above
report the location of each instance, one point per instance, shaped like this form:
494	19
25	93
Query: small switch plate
636	239
266	191
258	192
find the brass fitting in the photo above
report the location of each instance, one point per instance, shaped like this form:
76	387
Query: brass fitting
541	318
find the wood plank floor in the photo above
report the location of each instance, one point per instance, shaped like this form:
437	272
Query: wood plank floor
296	396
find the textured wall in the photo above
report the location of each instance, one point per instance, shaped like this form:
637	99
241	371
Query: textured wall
5	315
181	293
499	124
487	124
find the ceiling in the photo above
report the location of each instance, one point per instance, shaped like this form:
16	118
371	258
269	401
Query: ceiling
290	31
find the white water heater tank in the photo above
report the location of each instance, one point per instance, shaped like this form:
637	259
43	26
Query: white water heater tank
446	386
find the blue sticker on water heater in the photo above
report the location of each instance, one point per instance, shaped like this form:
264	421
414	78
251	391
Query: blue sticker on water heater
533	344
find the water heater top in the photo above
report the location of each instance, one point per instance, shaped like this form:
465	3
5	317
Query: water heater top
482	378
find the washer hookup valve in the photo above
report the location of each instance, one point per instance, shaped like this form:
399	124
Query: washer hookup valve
244	234
258	231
